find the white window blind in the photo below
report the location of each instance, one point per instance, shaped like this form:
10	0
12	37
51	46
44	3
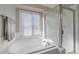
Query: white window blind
30	23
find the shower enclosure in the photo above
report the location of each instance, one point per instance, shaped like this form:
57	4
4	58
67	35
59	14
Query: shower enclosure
60	27
67	29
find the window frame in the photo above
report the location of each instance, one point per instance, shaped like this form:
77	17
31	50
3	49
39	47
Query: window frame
19	25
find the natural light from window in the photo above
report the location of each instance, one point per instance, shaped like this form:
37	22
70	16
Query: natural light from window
31	23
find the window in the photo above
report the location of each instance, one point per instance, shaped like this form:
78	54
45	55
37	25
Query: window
31	22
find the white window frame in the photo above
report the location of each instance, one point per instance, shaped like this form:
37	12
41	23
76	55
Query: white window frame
43	32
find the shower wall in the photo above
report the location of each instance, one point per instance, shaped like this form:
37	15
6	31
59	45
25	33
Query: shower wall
77	29
76	9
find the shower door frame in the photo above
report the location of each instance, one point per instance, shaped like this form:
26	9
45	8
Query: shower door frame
61	27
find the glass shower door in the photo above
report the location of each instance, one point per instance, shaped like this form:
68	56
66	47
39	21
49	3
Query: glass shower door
67	23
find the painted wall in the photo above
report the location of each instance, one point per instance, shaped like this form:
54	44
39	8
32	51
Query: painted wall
1	27
10	11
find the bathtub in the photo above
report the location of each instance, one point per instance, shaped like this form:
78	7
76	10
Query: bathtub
49	50
31	46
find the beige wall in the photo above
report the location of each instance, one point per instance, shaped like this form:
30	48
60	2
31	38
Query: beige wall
8	10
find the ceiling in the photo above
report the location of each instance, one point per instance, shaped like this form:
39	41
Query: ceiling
54	5
42	7
49	5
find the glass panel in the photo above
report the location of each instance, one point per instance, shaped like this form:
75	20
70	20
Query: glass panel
68	30
36	23
52	25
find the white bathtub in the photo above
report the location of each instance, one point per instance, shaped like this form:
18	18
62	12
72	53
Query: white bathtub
30	46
